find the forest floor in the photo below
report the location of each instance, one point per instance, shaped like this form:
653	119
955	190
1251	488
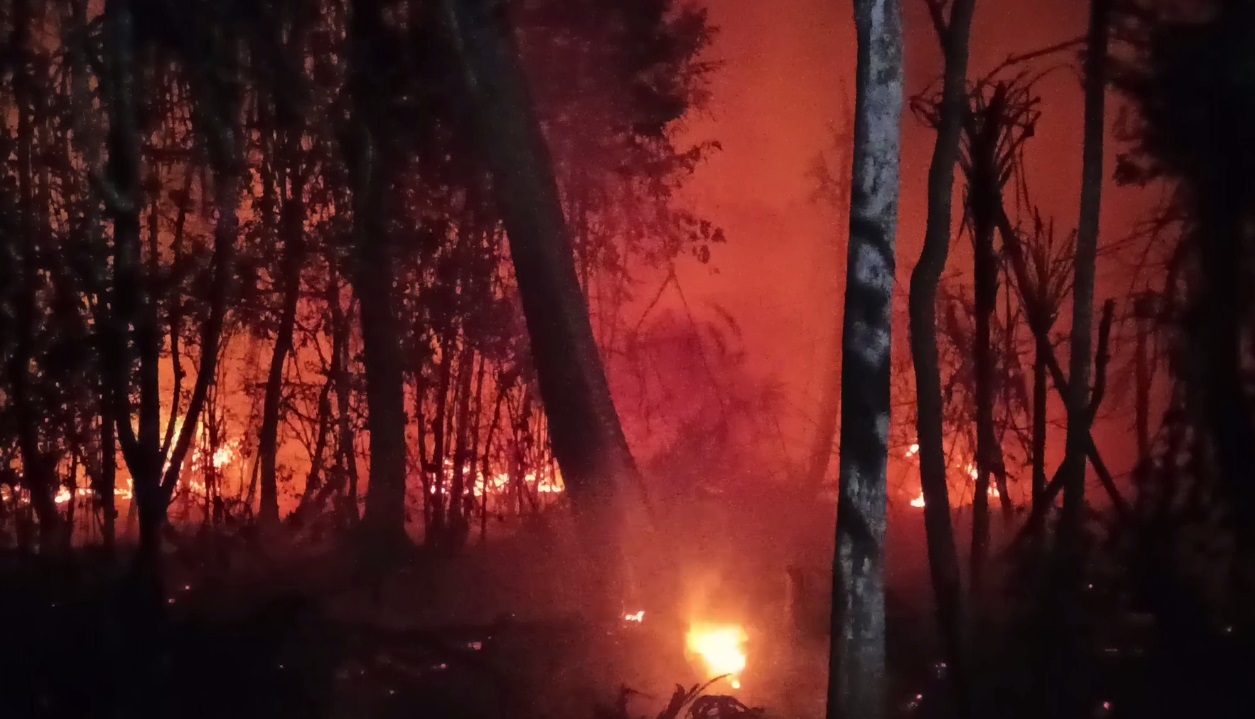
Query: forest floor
489	633
301	632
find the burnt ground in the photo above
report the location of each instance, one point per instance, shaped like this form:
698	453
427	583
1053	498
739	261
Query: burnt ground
494	631
491	632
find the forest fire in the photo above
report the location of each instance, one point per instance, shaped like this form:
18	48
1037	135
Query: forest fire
721	647
969	470
401	356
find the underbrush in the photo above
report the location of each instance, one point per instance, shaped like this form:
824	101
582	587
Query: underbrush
77	644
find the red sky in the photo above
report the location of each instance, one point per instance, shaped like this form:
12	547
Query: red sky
787	65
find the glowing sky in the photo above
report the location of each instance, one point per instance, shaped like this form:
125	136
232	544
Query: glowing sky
787	74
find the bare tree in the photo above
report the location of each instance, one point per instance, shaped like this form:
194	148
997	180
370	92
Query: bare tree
999	117
857	683
1071	528
942	556
1051	263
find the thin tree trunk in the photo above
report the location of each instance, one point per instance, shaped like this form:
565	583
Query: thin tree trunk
439	443
986	290
942	557
293	228
38	475
227	184
487	462
344	426
857	680
588	440
1038	319
1071	526
1064	680
472	455
457	495
1042	346
105	487
311	498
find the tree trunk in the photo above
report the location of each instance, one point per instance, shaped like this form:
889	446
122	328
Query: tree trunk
1071	526
293	228
38	475
440	423
313	496
383	524
345	449
1038	320
1064	680
121	190
1042	346
105	487
461	446
857	682
587	439
986	290
984	190
1219	352
942	558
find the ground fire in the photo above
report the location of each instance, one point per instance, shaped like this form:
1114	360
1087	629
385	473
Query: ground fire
720	648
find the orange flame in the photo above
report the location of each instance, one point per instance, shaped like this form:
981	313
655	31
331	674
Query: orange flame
721	648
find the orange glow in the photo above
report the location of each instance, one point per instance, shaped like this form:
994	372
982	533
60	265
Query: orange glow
969	469
721	648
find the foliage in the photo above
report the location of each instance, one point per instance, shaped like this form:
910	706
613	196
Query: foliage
267	83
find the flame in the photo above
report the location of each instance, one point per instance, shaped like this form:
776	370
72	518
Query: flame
638	617
721	647
970	469
63	493
918	502
499	483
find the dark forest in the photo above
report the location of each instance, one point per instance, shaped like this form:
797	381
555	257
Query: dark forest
383	358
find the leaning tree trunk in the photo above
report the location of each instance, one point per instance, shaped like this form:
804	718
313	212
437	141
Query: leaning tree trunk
587	438
857	683
943	560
